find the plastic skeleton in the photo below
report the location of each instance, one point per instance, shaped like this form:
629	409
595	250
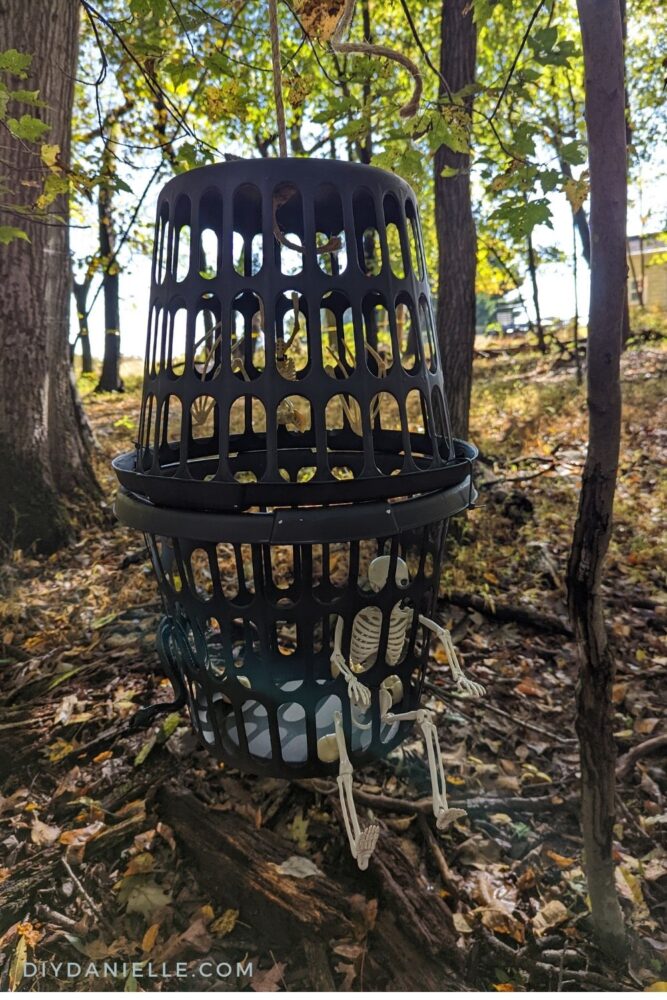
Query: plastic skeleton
364	645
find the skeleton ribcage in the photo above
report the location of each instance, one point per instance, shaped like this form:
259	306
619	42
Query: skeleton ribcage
366	633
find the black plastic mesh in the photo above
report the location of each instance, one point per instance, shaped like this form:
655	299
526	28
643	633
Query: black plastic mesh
251	629
291	354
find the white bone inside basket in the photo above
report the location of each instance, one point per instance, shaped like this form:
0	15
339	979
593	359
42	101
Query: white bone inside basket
291	726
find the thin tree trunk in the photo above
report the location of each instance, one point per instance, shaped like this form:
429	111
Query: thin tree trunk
628	139
605	120
457	245
575	278
532	270
110	380
80	290
46	460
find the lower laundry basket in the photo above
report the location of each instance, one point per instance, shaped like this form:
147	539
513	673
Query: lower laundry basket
255	602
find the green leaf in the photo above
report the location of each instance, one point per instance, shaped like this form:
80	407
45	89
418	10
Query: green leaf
573	153
28	97
28	128
449	172
10	233
549	180
15	62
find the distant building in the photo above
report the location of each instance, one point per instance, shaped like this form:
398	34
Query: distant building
647	271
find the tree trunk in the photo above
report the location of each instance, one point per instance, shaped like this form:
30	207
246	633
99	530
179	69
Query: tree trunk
46	461
81	290
605	120
457	245
532	270
628	139
110	380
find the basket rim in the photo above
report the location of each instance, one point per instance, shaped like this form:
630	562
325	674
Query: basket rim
297	526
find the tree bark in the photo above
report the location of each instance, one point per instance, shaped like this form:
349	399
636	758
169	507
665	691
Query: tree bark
46	460
80	290
457	244
110	380
532	270
605	121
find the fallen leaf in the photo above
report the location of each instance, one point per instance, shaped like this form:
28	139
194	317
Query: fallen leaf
461	924
560	860
17	964
197	936
225	924
298	867
140	864
531	688
298	830
42	834
500	921
101	757
349	974
268	980
76	840
143	895
551	915
30	933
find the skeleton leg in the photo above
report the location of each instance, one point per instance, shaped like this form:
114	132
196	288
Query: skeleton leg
444	816
362	842
463	683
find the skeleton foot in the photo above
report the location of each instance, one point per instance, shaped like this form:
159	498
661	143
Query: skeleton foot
446	817
365	845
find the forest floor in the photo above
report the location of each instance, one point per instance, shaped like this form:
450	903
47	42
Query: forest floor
124	846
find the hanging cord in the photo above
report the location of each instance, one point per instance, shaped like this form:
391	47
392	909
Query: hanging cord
277	76
319	22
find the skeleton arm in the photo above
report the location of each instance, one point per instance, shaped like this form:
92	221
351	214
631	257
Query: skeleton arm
357	692
463	683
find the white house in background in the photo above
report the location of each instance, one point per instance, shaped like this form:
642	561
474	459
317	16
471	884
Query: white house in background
647	271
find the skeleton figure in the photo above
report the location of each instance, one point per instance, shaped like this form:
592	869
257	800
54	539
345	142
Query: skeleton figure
364	645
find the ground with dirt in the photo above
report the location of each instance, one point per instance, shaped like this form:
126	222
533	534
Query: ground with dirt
125	846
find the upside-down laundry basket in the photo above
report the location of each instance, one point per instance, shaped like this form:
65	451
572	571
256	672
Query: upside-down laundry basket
295	470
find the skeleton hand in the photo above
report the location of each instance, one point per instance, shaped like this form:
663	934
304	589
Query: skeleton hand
358	693
465	686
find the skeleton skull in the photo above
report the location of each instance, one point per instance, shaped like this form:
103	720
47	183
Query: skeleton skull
378	571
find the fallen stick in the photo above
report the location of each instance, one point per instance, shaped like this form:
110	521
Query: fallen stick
645	749
478	805
509	613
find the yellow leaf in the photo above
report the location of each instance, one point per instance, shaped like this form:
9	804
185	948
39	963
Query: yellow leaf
17	964
298	830
660	987
101	757
225	924
50	155
149	938
31	934
140	864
